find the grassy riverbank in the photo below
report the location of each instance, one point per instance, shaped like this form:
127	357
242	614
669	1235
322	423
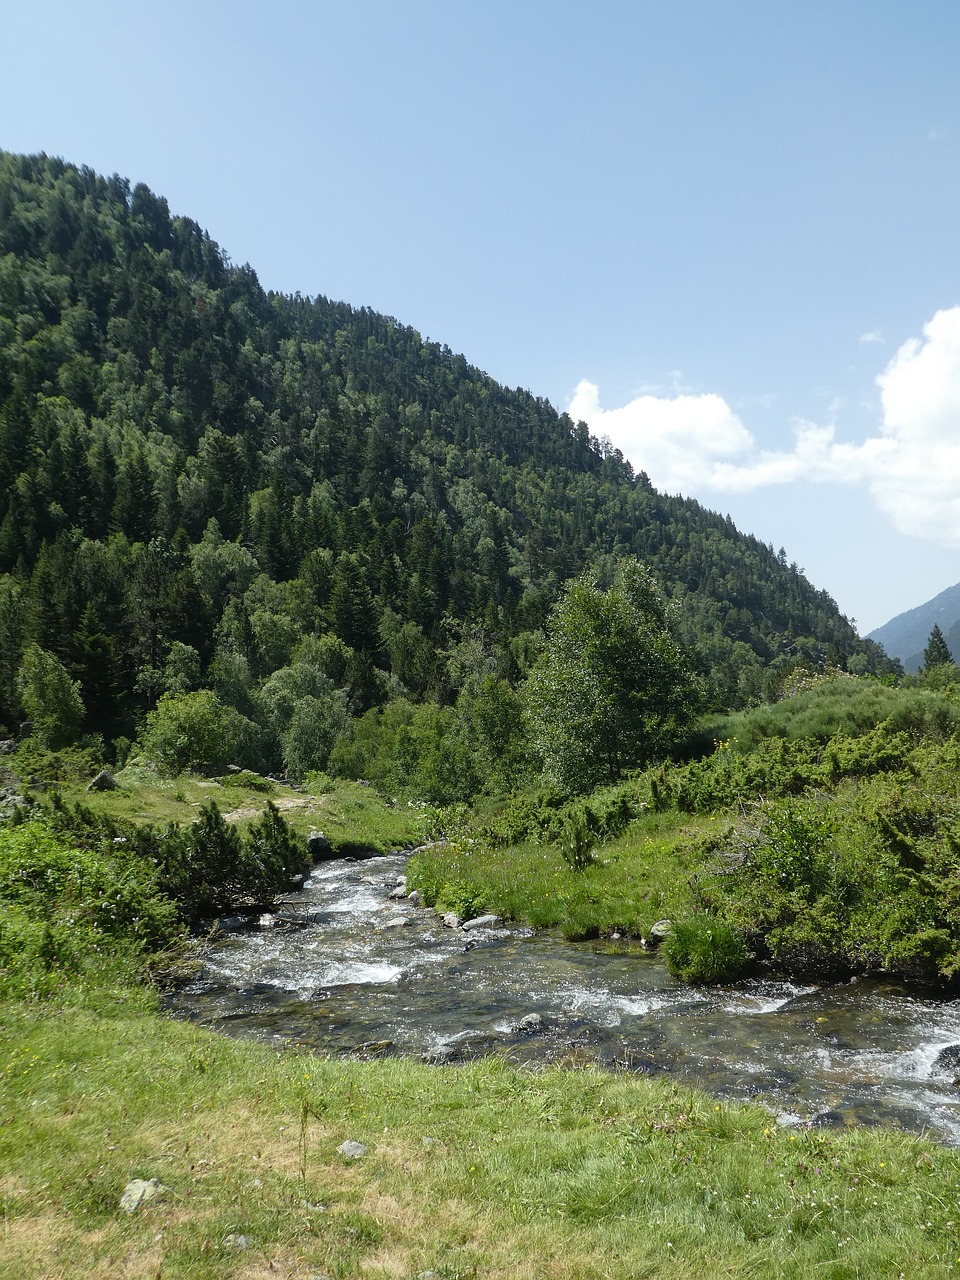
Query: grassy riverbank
626	885
476	1170
354	817
814	838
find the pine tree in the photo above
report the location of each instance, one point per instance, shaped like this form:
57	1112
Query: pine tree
936	654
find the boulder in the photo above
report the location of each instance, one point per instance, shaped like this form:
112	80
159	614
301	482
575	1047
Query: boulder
659	931
413	897
104	781
139	1192
398	893
482	922
947	1062
441	1054
351	1150
397	922
451	920
318	847
530	1022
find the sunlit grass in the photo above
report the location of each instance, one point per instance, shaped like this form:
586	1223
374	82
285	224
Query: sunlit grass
356	819
478	1169
631	882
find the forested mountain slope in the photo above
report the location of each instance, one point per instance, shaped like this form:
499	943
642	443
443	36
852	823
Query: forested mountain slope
196	476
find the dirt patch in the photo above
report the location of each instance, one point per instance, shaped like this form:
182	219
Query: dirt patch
283	803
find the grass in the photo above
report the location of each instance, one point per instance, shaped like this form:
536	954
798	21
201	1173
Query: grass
631	882
478	1170
356	818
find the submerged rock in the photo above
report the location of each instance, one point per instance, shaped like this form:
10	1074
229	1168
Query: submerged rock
228	924
438	1056
947	1063
530	1022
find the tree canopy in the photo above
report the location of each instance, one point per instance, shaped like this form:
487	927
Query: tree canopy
613	686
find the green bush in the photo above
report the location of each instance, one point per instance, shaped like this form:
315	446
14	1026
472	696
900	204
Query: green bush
793	850
246	780
67	910
463	897
50	698
209	867
705	949
576	842
844	706
197	729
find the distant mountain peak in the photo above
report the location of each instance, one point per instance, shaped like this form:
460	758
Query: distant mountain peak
906	635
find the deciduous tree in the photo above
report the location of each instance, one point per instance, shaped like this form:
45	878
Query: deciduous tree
613	686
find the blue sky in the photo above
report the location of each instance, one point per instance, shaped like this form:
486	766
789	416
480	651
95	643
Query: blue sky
724	231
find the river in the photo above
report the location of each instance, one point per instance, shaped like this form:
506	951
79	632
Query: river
369	976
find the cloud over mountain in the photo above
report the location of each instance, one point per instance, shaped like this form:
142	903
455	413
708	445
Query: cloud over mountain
697	445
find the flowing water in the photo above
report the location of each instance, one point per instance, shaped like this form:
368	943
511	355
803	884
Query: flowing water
342	968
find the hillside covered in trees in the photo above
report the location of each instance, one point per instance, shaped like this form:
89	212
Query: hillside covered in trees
304	512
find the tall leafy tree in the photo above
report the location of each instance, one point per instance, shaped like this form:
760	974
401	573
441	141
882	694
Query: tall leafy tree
50	698
613	685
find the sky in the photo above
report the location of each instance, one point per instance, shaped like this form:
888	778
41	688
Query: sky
724	233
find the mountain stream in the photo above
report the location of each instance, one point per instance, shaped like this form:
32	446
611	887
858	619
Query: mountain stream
343	969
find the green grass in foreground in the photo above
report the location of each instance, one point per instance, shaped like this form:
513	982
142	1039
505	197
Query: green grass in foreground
479	1170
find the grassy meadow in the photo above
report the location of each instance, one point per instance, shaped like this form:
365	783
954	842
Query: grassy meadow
478	1170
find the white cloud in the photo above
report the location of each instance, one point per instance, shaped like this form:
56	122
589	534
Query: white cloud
696	444
873	335
675	440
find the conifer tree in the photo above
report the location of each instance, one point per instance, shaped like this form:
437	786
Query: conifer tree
937	652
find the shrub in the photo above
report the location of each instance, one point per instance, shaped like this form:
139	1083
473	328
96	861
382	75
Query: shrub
66	910
50	698
196	728
705	949
466	899
576	842
248	781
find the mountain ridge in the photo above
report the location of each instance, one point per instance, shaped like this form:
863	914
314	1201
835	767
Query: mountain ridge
905	636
